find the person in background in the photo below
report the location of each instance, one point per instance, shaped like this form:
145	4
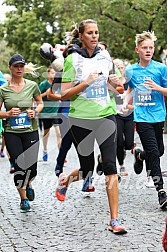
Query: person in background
102	45
125	124
85	81
20	129
2	81
49	112
148	81
8	78
64	126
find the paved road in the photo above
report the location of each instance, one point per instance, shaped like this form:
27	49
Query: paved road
80	223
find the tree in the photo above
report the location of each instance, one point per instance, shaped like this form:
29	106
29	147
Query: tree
34	22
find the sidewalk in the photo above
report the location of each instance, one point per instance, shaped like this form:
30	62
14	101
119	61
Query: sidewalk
80	223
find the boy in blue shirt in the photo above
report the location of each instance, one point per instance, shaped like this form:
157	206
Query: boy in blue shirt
148	81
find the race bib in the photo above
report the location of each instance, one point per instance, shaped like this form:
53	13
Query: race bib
20	122
97	89
144	98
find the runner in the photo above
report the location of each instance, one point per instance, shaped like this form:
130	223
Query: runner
92	115
148	80
20	130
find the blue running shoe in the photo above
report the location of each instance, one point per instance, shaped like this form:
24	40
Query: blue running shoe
25	206
30	193
45	156
87	185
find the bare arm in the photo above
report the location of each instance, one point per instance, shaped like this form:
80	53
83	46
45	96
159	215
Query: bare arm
114	84
53	96
4	114
31	112
128	98
68	91
151	85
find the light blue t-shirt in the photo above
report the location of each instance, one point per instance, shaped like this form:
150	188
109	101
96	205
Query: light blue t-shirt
149	105
2	79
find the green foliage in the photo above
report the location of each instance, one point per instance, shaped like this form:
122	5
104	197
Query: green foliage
34	22
5	53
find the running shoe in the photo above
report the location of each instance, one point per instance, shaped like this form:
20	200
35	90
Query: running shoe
149	183
25	206
87	185
99	168
162	199
138	164
61	189
123	171
45	156
58	170
30	193
116	227
12	169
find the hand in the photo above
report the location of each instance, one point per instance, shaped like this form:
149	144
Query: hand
151	85
93	76
30	113
14	112
113	80
125	108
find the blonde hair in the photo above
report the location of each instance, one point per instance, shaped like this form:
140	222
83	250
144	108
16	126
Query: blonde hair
31	68
145	35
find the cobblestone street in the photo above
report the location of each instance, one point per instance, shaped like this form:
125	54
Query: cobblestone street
80	223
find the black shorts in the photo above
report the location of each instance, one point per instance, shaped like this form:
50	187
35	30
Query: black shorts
48	123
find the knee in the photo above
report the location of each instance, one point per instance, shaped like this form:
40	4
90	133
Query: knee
109	168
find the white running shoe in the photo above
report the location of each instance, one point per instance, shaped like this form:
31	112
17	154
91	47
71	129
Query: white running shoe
149	182
123	171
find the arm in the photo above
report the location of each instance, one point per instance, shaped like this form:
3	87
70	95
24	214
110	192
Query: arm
11	113
128	98
68	91
32	113
53	96
4	114
44	94
151	85
114	84
39	102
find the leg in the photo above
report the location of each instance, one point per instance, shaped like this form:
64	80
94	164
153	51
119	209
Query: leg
13	140
120	141
108	145
83	140
112	193
24	158
45	138
106	137
58	136
64	148
149	142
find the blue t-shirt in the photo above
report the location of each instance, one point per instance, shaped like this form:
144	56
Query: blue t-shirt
149	105
2	79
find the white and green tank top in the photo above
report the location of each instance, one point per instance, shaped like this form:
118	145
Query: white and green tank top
94	102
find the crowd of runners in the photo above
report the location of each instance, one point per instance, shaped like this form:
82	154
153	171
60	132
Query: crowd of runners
87	97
